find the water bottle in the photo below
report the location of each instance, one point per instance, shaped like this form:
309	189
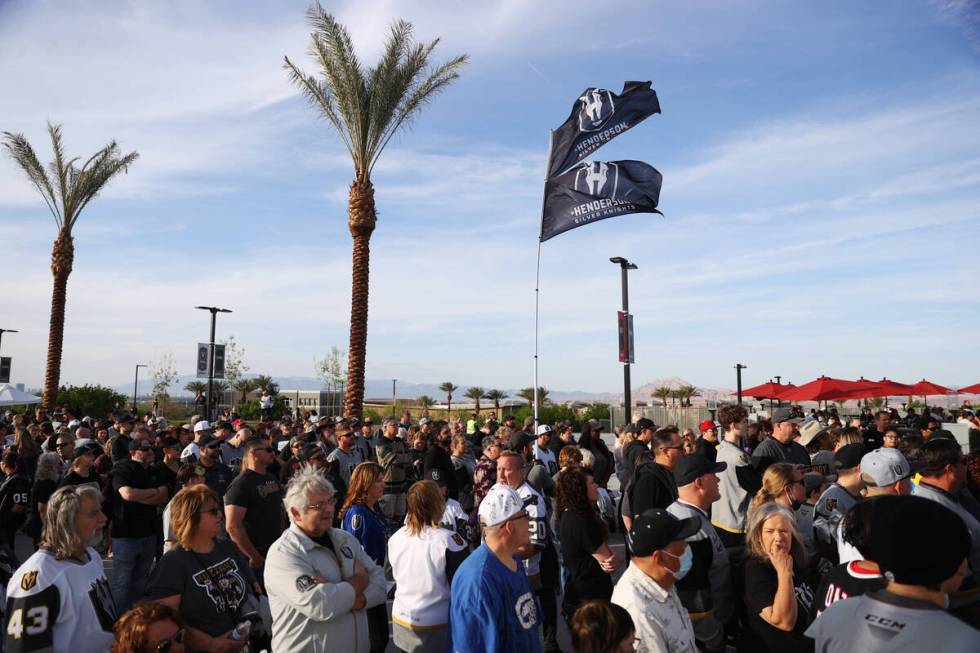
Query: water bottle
241	631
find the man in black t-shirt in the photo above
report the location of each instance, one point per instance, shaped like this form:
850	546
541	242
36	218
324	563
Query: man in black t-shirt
437	459
15	499
253	505
217	475
136	494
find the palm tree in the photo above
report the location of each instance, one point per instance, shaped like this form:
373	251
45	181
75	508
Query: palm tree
66	189
495	396
449	389
244	386
687	393
425	402
367	107
265	383
662	393
475	393
527	394
198	388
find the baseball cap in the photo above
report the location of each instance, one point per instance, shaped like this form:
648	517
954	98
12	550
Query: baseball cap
424	420
125	419
903	527
208	441
643	424
813	481
500	504
784	415
86	448
693	466
435	475
223	425
308	451
707	425
849	456
519	440
886	466
811	430
140	445
203	425
544	429
655	528
238	422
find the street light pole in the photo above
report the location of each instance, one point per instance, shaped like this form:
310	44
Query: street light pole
135	384
738	374
214	314
3	331
393	382
779	402
625	266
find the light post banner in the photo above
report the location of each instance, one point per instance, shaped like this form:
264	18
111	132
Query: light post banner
597	117
625	338
596	190
219	361
202	360
4	369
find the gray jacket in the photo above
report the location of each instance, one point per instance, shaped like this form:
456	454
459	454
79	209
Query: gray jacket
728	513
968	593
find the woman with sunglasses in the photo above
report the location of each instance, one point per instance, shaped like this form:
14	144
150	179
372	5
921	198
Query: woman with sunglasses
204	577
149	628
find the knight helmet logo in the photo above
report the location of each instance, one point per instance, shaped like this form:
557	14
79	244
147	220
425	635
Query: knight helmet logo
595	109
28	580
597	178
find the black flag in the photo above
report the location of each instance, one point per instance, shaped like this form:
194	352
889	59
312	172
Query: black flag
596	190
597	117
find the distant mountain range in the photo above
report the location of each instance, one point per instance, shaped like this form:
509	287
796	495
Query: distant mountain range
381	389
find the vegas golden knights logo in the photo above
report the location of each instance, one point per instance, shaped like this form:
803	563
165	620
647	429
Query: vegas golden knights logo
28	580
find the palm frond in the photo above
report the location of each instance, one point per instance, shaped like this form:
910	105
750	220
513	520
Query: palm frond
20	150
58	169
385	90
94	175
320	96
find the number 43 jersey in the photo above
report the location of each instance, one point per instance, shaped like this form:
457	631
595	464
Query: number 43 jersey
59	605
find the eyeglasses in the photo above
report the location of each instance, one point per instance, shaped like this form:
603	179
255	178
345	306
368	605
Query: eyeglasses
318	507
164	646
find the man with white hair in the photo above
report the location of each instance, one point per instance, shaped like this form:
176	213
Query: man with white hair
319	579
59	599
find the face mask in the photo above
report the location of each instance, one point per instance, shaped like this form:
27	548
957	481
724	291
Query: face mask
793	503
687	560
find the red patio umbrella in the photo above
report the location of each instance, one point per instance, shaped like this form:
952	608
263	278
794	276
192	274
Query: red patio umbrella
926	388
824	388
768	390
970	390
863	388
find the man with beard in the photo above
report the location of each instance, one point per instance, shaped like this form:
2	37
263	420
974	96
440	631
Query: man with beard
59	599
217	475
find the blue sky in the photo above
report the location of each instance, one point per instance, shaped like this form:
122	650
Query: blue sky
821	168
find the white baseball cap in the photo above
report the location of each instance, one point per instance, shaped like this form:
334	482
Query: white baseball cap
501	503
203	425
544	429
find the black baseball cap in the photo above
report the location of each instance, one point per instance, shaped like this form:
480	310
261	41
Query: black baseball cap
519	440
87	448
849	456
693	466
643	424
308	451
209	441
903	527
656	528
140	445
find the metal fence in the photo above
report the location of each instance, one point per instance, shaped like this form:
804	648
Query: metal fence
681	417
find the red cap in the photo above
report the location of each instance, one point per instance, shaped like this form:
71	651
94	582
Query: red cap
706	424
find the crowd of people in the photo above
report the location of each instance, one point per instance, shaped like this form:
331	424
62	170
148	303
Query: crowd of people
793	533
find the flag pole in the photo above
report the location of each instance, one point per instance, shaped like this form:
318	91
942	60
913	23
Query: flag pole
537	275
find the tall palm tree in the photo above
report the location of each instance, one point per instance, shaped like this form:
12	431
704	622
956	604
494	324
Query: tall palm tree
688	392
495	396
662	393
265	383
244	386
527	394
198	388
367	107
425	402
66	189
475	393
449	389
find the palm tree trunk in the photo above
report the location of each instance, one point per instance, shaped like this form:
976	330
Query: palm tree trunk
62	257
361	218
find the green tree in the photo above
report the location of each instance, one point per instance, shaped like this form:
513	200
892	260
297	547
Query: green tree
686	393
449	389
527	394
235	366
425	402
475	393
199	388
265	383
367	107
164	373
243	386
93	400
662	393
66	189
496	396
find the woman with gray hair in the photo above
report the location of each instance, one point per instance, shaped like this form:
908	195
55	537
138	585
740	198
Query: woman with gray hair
319	579
59	599
778	596
46	479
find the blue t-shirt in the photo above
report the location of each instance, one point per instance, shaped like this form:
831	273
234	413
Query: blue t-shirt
493	609
368	526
